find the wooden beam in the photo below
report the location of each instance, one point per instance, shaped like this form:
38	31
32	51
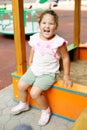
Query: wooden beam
77	12
19	35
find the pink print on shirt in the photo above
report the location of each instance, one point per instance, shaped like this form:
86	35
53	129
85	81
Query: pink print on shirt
44	48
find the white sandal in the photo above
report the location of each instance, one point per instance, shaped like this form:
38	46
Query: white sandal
45	117
21	107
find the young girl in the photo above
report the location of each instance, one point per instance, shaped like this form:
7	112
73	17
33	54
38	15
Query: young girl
46	48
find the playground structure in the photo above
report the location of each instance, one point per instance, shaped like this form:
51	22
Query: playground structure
6	25
30	24
64	102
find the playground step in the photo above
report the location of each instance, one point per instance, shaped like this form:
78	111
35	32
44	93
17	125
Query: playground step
64	102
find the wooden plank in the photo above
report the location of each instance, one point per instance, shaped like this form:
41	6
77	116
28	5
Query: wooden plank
19	36
83	53
81	122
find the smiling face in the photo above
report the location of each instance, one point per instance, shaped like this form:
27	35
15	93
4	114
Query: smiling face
48	26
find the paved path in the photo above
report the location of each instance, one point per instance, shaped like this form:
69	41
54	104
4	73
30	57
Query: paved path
8	121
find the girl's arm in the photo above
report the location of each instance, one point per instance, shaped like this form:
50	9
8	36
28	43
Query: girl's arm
31	56
66	65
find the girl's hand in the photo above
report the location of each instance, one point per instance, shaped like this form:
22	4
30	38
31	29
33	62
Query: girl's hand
67	82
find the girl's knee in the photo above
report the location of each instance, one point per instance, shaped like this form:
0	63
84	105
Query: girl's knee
34	94
21	86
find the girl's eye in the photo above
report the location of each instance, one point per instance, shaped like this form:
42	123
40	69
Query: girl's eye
44	23
51	23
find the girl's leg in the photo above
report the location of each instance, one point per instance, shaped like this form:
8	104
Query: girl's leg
38	95
22	106
22	91
27	78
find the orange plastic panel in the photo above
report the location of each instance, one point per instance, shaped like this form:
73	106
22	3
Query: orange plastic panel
68	103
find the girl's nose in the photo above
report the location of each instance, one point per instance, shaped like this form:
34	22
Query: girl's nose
47	25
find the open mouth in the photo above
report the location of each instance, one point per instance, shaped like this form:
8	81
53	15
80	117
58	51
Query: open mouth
47	31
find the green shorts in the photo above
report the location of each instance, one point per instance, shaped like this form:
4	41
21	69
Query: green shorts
44	81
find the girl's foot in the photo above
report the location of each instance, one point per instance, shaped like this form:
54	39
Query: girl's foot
45	117
21	107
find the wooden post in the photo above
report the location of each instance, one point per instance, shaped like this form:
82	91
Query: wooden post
19	35
77	11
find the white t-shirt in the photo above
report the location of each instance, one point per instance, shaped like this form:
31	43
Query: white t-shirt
46	57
